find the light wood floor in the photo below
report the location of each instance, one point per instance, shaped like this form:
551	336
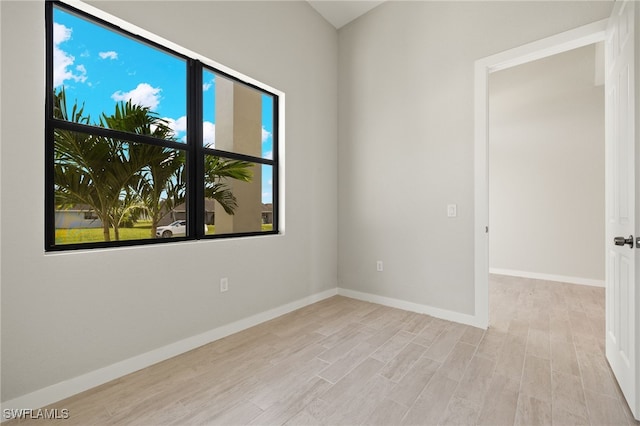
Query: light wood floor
347	362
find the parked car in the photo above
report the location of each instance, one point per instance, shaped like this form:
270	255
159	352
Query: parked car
175	229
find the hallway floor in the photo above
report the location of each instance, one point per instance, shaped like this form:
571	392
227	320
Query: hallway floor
551	339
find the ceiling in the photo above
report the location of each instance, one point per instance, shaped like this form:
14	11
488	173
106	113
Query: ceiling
340	13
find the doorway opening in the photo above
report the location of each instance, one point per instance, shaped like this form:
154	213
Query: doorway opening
547	169
570	40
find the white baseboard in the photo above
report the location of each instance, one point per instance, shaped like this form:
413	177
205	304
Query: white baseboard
67	388
548	277
413	307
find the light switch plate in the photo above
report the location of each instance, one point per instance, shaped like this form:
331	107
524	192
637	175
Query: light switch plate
452	210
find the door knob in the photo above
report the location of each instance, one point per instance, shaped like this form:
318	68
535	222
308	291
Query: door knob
620	241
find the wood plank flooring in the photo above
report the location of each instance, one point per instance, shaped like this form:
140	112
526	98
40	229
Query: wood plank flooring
347	362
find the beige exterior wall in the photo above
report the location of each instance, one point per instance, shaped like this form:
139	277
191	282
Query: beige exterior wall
239	129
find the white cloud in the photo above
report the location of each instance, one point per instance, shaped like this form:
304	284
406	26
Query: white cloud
265	135
62	60
208	85
179	125
209	134
268	155
143	95
108	55
60	33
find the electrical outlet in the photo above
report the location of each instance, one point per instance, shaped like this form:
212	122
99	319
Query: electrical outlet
452	210
224	284
379	266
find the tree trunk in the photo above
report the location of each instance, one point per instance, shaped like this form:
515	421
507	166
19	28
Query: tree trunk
105	230
155	219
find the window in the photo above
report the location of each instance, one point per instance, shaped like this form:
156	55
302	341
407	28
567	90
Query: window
147	145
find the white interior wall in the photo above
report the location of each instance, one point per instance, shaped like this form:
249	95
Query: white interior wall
406	139
546	169
67	314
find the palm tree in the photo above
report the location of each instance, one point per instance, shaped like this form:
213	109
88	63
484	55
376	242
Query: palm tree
160	167
163	184
126	211
89	169
116	178
216	176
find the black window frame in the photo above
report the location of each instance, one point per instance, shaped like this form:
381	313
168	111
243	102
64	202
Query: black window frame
194	147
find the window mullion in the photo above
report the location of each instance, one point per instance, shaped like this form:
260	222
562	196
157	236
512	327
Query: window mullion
237	156
195	184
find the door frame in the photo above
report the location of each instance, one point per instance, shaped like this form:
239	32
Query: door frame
569	40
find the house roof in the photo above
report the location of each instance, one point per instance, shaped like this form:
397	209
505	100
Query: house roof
77	208
210	206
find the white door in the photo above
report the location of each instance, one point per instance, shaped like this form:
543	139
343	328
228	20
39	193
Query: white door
621	294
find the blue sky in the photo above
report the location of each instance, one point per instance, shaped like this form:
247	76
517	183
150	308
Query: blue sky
99	67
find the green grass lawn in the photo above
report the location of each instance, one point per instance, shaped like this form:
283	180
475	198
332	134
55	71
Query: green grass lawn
140	231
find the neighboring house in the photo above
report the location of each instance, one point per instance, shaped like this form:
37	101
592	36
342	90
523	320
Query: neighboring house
180	213
82	216
267	214
78	216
